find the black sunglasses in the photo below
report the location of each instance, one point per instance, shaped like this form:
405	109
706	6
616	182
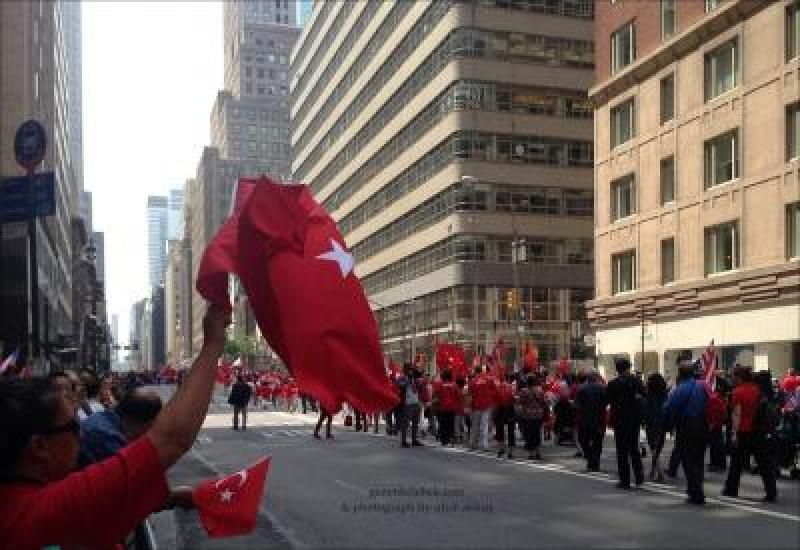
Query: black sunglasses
73	426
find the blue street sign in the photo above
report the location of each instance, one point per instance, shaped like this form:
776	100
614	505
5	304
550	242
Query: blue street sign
30	144
14	201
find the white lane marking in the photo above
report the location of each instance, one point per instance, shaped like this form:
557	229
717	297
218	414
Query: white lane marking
282	530
600	476
349	486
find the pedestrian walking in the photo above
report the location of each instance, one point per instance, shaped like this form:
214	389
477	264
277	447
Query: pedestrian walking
239	398
530	408
591	409
685	409
625	395
482	389
654	425
504	418
412	393
750	435
326	418
447	398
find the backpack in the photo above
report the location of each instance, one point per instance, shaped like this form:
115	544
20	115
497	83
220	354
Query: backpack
767	417
529	406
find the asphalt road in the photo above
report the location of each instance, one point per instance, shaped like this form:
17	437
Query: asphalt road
365	491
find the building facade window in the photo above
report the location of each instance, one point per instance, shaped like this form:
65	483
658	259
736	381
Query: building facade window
722	69
623	198
667	178
667	96
623	272
722	248
793	131
667	19
711	5
793	31
623	127
623	47
667	261
722	159
793	230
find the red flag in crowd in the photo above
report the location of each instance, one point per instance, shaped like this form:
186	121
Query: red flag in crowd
451	356
531	358
310	306
709	359
228	506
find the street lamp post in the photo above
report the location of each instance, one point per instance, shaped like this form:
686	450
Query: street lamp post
515	256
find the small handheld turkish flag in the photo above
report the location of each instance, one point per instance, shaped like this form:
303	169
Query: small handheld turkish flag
228	506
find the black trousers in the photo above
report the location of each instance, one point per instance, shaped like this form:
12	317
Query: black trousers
691	439
626	438
758	446
410	415
532	432
716	443
505	426
591	442
447	427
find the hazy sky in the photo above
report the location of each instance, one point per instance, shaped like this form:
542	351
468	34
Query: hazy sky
151	71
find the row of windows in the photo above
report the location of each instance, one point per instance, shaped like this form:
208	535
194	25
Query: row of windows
483	303
270	58
265	90
389	68
315	29
251	130
262	73
481	198
461	95
464	94
721	65
568	8
722	252
480	248
353	35
721	164
467	145
238	114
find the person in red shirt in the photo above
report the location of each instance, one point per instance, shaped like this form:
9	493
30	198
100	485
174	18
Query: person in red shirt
745	438
447	396
482	389
791	381
44	502
504	421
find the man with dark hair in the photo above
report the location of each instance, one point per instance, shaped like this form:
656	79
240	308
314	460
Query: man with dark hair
591	403
685	409
241	392
103	434
624	394
89	402
44	502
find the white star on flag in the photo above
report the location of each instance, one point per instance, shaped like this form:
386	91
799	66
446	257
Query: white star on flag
340	256
226	495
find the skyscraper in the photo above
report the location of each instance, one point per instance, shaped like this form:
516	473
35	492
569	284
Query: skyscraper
156	238
452	142
175	214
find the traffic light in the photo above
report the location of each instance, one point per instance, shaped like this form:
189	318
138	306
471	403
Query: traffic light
512	299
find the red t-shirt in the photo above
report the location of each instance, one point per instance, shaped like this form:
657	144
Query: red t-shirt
790	383
747	395
96	507
483	393
449	396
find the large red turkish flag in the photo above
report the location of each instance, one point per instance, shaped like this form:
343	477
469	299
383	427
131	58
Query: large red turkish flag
310	306
228	506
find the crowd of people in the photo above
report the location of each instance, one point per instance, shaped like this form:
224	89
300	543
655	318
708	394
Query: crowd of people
738	417
83	460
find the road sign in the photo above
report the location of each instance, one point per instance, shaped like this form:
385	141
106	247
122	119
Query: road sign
30	144
15	203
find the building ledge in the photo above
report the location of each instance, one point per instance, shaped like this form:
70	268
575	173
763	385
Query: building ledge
712	24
